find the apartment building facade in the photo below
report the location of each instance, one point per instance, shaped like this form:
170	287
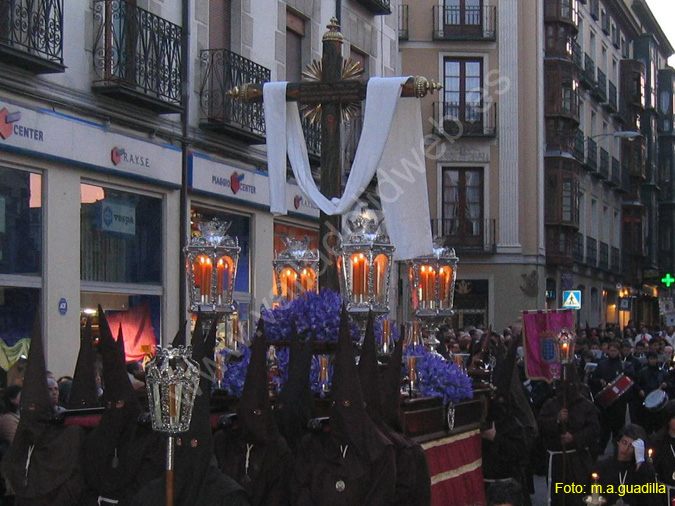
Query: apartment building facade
485	131
117	138
606	157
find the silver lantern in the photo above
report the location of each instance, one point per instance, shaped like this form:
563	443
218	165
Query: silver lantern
364	266
296	268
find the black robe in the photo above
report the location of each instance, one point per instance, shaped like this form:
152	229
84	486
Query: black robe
324	477
612	472
269	472
664	459
584	426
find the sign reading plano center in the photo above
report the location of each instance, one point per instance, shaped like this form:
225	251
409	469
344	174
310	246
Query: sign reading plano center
249	186
72	140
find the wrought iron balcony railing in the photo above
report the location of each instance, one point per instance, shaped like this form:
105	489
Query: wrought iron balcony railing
603	261
603	171
403	33
467	235
625	178
615	178
377	7
577	55
312	133
615	260
561	10
465	22
591	154
612	103
466	120
31	34
588	75
595	9
591	251
137	56
222	70
601	87
579	139
353	131
578	253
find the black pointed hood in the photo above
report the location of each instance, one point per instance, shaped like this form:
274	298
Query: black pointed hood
504	370
42	456
179	338
83	393
116	384
295	406
349	422
36	406
391	388
368	372
254	413
194	448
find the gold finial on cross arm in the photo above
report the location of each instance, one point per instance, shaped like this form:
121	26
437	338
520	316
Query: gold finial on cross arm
333	32
421	86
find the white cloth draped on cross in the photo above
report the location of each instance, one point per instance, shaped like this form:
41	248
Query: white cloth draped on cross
391	143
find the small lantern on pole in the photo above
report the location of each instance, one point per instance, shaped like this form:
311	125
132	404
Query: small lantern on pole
565	342
296	268
211	262
364	265
172	380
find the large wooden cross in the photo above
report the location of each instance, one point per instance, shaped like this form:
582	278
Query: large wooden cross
331	92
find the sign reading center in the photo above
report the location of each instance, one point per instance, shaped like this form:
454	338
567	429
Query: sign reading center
571	299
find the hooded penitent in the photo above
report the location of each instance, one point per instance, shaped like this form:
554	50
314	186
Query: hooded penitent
413	483
42	464
120	455
197	480
256	455
83	391
353	464
391	384
295	406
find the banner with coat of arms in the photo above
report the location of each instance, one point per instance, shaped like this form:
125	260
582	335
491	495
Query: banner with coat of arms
540	329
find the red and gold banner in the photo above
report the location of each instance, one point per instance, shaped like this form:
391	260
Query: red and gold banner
540	329
455	466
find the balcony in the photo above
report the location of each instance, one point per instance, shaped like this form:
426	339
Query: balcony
579	146
578	253
625	178
376	7
603	171
588	75
591	252
137	56
577	55
312	133
561	11
222	70
603	261
352	135
615	259
615	178
403	33
591	154
601	87
563	102
461	120
31	35
465	22
467	235
559	138
612	104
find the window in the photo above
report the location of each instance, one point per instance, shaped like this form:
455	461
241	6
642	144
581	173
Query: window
463	94
463	18
120	236
463	204
295	33
20	222
20	252
594	219
220	19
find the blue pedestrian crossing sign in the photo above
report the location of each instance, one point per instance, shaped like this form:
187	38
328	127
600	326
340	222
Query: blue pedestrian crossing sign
571	299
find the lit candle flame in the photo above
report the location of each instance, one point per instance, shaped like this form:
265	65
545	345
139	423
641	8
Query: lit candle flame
595	476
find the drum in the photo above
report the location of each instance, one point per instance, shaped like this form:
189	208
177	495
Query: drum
613	390
655	400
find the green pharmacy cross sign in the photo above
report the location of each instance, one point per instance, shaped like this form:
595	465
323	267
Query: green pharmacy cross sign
668	280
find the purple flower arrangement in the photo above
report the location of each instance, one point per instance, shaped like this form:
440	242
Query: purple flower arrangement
318	315
438	377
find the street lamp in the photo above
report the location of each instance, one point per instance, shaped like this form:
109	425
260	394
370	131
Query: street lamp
630	135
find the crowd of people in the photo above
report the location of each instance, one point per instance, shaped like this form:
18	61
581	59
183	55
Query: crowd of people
607	421
609	413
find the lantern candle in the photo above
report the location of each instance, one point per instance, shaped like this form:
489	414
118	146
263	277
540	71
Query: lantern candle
412	373
595	489
220	272
424	296
364	276
385	335
650	453
356	276
206	278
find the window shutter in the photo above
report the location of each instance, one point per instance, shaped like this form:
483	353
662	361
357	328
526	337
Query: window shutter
220	21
